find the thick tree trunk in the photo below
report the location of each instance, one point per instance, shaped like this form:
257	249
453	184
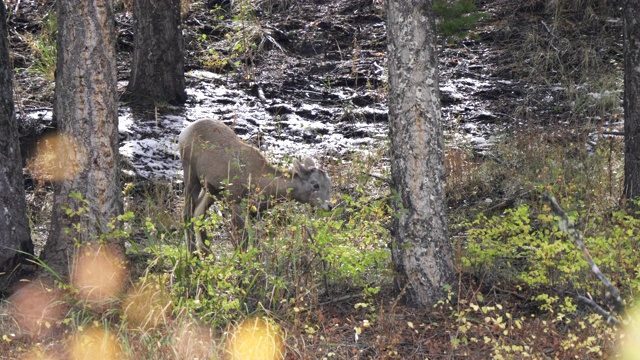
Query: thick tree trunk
86	111
631	18
422	251
157	72
14	225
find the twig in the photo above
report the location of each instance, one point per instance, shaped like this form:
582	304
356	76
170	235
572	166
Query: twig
341	298
546	27
567	226
599	310
381	178
323	261
402	292
275	43
505	203
523	298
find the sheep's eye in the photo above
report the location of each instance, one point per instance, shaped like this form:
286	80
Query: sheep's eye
316	186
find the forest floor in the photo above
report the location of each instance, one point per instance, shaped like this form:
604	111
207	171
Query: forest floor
315	81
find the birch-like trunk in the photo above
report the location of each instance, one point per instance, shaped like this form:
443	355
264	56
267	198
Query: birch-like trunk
422	251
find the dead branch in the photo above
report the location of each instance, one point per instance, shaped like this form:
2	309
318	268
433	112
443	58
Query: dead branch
567	226
599	310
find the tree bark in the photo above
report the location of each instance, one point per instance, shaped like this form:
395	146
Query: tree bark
15	235
85	107
631	26
157	72
422	251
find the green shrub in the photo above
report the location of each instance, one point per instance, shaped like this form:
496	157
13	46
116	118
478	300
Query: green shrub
527	248
45	48
294	260
456	17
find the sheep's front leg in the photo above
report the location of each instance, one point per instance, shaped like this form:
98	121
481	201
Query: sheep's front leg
238	223
204	202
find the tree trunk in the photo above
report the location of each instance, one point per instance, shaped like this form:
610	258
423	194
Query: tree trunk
14	225
157	72
85	107
422	251
631	21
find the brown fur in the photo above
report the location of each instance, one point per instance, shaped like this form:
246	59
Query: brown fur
214	155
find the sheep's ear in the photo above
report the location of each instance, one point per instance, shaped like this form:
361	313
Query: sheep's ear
304	167
309	163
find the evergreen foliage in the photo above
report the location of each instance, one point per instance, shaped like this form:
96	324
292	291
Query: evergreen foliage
456	17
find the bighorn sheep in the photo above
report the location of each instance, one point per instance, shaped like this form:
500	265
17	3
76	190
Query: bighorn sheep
216	163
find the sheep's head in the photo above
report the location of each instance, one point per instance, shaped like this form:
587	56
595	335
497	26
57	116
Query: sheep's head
311	184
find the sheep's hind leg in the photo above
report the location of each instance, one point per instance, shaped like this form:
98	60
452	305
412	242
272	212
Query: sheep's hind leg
192	193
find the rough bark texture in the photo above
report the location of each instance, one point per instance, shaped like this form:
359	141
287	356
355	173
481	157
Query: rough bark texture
422	252
86	111
157	72
631	18
14	226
